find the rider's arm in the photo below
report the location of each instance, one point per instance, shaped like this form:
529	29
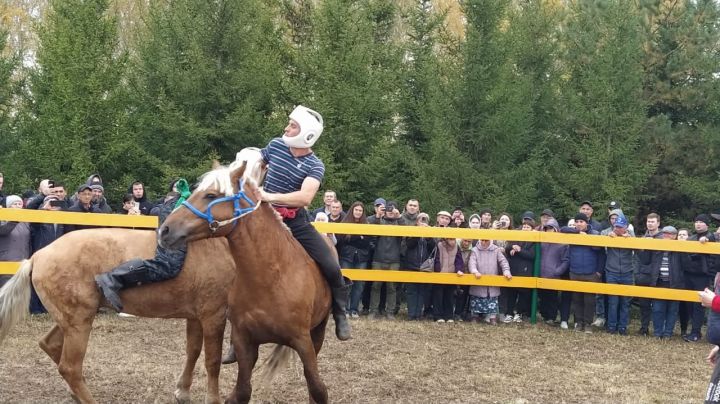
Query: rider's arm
296	199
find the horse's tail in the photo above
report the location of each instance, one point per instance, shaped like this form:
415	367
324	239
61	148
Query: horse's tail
15	299
278	360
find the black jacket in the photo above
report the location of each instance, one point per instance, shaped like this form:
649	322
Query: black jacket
701	264
352	247
521	263
648	271
78	207
42	234
418	250
145	205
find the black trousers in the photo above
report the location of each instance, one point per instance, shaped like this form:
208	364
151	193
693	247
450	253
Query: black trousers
166	264
315	245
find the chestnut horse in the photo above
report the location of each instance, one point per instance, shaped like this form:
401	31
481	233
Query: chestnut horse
279	295
63	274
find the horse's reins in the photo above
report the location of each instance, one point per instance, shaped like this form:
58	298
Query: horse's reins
238	211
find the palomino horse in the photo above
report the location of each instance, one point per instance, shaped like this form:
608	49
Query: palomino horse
63	274
279	295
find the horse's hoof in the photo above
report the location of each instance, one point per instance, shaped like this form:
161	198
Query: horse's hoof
182	396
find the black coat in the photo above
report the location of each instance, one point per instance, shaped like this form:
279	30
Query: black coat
521	263
418	250
648	272
78	207
354	247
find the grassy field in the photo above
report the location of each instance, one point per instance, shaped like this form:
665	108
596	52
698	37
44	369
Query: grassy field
137	360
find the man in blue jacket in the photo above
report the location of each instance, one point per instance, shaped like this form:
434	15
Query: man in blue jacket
585	266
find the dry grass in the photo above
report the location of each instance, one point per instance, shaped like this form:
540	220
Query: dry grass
137	360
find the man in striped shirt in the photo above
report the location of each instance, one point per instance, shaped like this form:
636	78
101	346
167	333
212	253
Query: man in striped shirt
294	176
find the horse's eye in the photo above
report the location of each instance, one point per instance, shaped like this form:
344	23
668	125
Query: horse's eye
210	196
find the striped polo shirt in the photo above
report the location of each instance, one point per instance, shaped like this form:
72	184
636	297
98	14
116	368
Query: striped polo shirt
286	172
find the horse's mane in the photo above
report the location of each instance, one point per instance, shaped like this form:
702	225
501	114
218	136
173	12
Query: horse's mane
220	180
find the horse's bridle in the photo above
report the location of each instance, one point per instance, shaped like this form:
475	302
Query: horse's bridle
238	212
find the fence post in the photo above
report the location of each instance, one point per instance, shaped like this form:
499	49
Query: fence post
536	273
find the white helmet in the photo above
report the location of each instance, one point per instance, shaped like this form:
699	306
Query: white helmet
311	127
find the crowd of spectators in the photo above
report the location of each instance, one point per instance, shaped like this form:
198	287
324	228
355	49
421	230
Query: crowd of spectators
19	241
493	305
463	257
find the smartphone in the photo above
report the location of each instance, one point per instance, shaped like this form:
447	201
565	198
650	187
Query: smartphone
51	184
58	204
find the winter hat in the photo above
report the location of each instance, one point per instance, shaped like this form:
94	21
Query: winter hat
621	221
97	186
548	212
669	229
552	223
10	199
484	211
581	216
703	218
528	215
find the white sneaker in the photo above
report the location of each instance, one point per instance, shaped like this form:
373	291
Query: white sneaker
125	315
599	322
564	325
517	318
440	321
508	319
450	321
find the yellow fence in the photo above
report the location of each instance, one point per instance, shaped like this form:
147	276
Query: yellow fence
149	222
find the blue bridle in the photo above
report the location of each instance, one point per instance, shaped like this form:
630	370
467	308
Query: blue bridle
238	211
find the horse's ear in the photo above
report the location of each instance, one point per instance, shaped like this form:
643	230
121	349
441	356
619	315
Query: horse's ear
216	164
237	172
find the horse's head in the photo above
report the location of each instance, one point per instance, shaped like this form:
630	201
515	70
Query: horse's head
223	196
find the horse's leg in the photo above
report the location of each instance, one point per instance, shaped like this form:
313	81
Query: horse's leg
213	331
306	350
71	360
247	354
318	335
193	347
52	343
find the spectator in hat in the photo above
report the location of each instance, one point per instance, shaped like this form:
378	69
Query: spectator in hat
546	215
443	219
665	271
521	257
418	250
98	200
698	275
458	218
485	218
386	257
613	205
585	266
83	204
586	208
620	264
486	259
379	209
448	259
554	263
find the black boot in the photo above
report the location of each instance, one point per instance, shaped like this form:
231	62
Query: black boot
339	303
229	356
130	273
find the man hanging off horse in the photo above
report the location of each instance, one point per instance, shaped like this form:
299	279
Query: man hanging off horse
294	174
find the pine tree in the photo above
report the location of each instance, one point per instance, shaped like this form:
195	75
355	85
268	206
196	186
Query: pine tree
205	83
69	126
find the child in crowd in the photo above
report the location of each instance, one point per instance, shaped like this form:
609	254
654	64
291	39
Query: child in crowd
486	259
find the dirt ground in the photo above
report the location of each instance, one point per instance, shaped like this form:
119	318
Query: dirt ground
137	360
